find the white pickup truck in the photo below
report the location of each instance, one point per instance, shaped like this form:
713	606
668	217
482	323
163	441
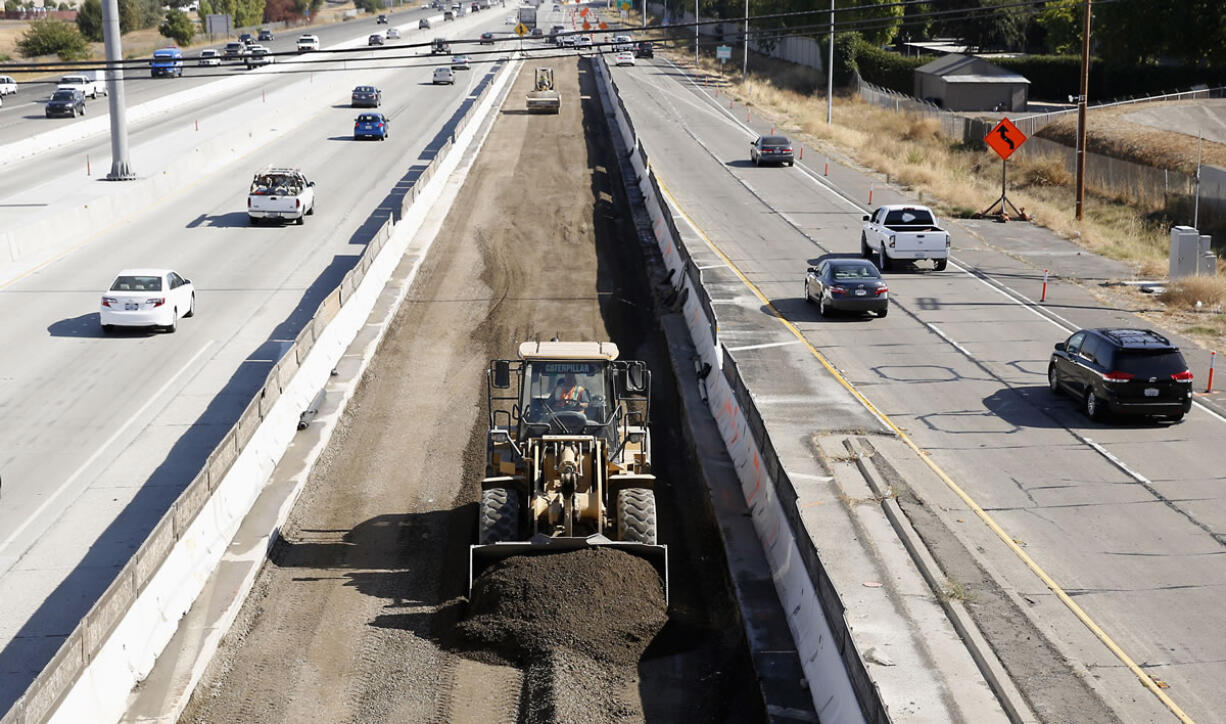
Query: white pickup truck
904	233
280	194
91	83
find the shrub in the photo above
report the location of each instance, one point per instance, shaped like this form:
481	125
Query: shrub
49	36
1186	292
178	27
1044	171
89	20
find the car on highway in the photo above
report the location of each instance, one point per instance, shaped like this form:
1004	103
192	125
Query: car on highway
423	24
366	96
392	34
307	43
89	82
234	51
624	59
904	233
553	33
583	41
444	76
258	55
375	39
537	32
487	38
1122	371
568	41
280	194
622	43
147	298
246	39
847	285
264	36
771	149
210	56
510	20
645	50
440	46
8	86
381	20
448	15
370	125
476	7
66	102
460	62
166	63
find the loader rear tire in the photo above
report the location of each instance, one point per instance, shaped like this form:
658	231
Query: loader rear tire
636	515
499	516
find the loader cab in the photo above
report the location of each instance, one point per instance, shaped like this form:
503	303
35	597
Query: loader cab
545	405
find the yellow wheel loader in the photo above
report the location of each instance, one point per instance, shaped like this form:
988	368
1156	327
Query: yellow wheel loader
543	98
568	456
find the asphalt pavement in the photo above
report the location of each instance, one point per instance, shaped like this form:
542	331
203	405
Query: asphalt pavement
1125	518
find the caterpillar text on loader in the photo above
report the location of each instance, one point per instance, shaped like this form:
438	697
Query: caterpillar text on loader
543	98
568	456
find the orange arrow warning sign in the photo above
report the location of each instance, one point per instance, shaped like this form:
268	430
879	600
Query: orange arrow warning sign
1005	138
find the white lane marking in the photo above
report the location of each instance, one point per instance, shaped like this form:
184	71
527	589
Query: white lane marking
1000	288
138	415
763	346
808	476
1116	461
948	339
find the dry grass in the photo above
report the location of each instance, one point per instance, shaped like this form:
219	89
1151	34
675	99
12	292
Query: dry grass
1196	294
1109	133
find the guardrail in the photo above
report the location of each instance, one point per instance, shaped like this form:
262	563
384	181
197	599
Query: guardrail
816	613
79	650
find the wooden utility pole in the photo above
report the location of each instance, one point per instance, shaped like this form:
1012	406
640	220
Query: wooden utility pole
1081	112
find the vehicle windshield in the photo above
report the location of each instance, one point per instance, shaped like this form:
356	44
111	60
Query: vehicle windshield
554	387
62	95
137	284
275	184
363	89
72	79
368	118
1150	363
776	141
854	271
909	217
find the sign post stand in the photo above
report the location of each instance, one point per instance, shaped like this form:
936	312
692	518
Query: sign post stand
1004	139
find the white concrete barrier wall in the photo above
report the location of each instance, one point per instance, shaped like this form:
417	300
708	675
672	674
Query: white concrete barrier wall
116	644
821	659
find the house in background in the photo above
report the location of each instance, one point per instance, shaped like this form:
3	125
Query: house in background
967	83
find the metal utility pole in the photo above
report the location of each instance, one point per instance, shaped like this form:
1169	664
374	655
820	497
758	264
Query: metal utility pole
830	72
1081	112
121	168
1200	141
695	33
745	48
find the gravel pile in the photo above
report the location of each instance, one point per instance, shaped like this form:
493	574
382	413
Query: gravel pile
604	604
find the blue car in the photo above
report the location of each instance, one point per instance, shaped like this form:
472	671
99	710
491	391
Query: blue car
370	125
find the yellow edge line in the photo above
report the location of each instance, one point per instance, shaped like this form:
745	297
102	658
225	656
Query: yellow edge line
1145	679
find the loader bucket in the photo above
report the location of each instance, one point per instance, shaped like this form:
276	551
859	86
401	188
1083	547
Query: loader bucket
482	557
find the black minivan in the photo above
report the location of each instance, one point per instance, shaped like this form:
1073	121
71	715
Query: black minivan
1124	371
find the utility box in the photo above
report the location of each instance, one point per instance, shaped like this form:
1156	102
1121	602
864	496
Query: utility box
1185	252
1207	266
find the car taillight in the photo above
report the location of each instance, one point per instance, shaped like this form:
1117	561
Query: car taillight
787	150
297	203
836	291
891	241
248	202
882	290
1118	376
156	301
380	124
1185	376
109	301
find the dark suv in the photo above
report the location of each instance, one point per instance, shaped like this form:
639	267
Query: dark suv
1125	371
644	50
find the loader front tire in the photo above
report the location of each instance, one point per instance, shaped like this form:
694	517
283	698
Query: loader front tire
499	516
636	515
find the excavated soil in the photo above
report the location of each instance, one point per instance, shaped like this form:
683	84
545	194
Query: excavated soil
360	614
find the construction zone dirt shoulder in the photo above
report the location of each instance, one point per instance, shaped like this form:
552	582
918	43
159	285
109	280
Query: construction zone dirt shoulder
361	611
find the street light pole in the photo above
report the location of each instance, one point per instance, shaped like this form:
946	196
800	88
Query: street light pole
1081	113
830	72
695	33
745	47
121	168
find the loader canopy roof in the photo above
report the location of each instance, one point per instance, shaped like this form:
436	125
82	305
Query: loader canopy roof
567	351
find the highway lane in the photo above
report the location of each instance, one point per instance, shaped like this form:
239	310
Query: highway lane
1126	517
100	433
22	114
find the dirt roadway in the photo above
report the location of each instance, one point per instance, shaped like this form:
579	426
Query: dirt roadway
354	617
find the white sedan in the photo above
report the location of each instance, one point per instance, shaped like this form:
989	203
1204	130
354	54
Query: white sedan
147	298
624	59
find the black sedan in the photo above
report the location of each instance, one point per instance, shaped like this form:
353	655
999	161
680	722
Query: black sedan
487	38
66	102
771	149
367	96
849	285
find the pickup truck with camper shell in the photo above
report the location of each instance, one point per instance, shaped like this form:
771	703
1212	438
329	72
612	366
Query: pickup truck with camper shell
904	233
280	194
90	82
